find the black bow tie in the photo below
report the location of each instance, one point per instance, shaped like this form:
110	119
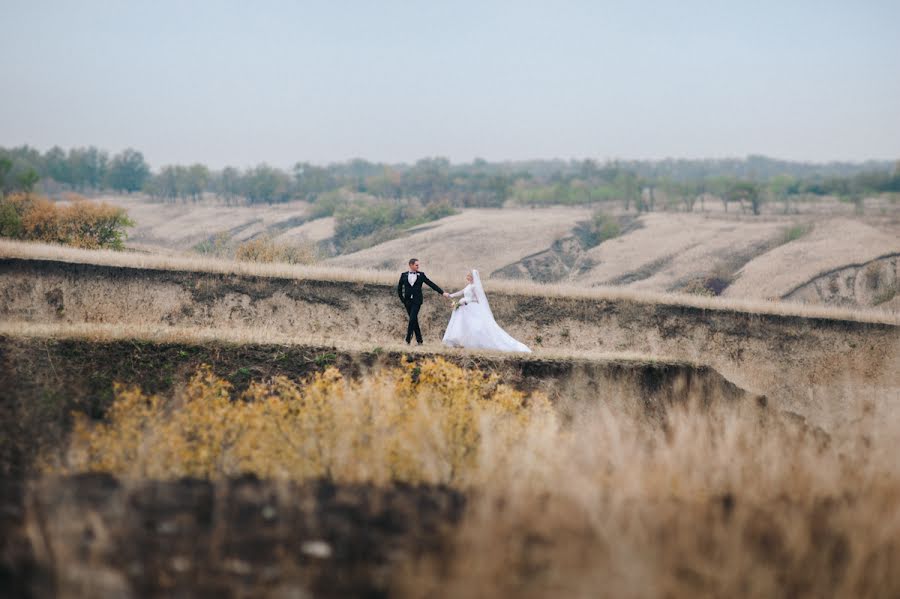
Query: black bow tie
413	273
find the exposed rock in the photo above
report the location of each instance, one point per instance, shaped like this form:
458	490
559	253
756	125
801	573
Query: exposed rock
793	360
565	258
873	283
562	259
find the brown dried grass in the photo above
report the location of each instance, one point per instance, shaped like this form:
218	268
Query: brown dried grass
37	251
715	499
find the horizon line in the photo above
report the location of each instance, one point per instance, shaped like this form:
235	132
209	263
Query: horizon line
600	160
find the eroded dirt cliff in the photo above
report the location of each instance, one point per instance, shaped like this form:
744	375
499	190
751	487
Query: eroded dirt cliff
805	365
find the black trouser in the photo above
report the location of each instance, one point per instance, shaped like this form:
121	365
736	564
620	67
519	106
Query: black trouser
412	308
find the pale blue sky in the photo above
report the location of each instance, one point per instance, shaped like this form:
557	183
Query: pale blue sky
245	82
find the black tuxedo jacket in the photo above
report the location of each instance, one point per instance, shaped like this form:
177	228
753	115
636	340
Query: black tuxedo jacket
413	293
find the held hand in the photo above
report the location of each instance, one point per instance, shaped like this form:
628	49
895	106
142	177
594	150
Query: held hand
446	294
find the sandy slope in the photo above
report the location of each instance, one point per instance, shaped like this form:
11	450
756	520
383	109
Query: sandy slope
483	239
664	252
830	245
180	226
667	251
670	248
314	230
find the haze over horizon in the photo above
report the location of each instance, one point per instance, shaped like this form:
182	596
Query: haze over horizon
231	84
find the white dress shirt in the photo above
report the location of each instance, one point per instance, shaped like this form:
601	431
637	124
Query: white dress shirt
411	277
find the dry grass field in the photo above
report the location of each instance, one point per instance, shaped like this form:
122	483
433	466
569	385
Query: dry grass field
802	358
684	217
708	498
819	253
669	250
272	437
829	246
483	239
195	263
181	226
754	257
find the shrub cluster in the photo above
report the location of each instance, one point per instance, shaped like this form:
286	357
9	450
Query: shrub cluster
716	499
425	423
365	222
80	223
602	227
266	249
259	249
797	232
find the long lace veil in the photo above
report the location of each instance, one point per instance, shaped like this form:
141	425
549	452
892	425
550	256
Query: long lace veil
479	293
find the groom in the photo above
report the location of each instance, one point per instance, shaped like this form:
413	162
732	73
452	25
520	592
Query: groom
410	291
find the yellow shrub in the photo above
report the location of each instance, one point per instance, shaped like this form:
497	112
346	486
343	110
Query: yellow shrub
425	423
266	249
82	223
92	225
41	220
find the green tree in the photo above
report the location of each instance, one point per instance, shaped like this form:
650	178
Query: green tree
57	166
27	180
87	167
264	183
680	192
783	188
600	228
741	191
196	180
628	185
169	183
128	171
228	183
428	180
6	165
311	180
10	221
720	187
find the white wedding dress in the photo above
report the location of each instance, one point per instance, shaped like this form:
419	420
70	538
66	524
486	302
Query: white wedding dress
472	324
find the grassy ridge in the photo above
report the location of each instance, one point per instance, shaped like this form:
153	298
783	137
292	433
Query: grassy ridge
30	251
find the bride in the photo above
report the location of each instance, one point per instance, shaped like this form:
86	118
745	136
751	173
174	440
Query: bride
472	324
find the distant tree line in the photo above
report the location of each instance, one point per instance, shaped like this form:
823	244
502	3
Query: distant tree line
79	169
28	216
641	185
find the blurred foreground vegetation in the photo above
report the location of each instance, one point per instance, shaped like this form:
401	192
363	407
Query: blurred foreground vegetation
707	498
418	423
